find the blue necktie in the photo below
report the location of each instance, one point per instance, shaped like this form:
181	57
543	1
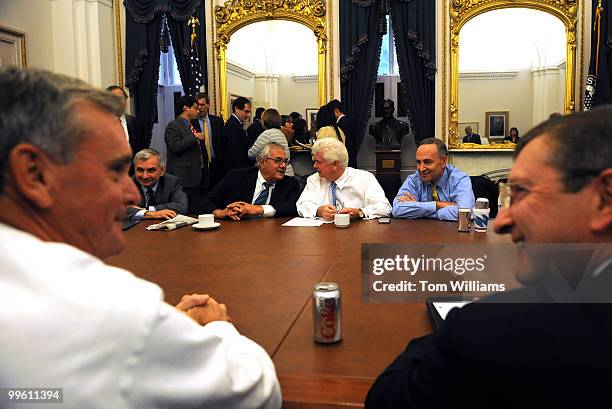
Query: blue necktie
333	192
263	196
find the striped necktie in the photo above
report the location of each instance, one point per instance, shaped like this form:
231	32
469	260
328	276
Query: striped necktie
263	196
333	192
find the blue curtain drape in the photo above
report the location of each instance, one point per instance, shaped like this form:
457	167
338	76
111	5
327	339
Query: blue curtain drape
145	20
362	26
414	25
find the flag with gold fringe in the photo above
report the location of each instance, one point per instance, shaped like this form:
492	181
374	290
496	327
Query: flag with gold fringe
598	84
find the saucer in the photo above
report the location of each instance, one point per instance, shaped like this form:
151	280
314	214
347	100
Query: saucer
213	226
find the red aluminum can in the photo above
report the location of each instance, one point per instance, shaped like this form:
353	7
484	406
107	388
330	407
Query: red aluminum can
327	313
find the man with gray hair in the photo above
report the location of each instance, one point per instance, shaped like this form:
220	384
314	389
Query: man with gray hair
109	339
436	190
338	188
263	191
161	196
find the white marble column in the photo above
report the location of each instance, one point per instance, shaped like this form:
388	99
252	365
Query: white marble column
83	40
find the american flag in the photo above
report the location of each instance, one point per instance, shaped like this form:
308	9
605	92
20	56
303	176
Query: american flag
195	69
598	89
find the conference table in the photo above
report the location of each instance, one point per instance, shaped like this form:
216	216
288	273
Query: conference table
265	273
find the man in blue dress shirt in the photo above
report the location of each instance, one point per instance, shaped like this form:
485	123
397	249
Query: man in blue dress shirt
437	190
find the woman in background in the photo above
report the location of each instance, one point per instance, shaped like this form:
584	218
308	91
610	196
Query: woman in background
514	136
271	121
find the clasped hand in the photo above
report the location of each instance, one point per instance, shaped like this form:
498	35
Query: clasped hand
236	210
203	308
328	212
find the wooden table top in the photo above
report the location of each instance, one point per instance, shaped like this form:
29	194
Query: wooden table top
265	273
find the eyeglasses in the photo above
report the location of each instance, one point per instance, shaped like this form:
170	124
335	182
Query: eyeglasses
510	193
278	161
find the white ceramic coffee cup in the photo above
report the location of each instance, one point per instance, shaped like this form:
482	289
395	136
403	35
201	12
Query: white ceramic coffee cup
206	219
342	219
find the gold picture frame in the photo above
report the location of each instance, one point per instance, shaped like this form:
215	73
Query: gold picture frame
496	125
12	48
311	116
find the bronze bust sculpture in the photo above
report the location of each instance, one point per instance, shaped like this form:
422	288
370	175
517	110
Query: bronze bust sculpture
389	131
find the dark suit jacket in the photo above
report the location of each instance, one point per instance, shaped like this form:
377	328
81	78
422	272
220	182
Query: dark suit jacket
253	131
139	140
168	195
216	167
237	145
184	158
239	185
474	139
351	145
499	355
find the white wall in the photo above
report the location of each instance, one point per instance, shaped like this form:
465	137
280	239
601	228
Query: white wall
297	95
72	37
33	17
477	96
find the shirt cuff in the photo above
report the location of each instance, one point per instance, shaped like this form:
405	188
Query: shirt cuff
139	215
268	211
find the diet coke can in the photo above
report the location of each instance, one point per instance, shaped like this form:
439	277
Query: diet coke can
327	312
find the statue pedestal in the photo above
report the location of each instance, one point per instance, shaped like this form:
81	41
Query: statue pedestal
388	165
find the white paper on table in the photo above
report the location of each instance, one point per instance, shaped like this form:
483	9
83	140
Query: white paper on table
444	307
303	222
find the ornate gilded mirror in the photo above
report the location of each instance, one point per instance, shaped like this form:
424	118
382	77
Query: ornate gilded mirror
236	14
499	97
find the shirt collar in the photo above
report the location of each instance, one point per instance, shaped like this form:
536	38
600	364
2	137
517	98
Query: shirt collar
343	179
445	175
261	180
340	117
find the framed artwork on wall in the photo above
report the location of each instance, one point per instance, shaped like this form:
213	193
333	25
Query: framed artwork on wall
311	116
12	48
496	124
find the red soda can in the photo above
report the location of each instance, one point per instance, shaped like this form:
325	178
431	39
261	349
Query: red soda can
327	313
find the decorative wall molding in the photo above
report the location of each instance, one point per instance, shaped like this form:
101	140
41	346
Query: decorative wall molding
488	75
240	71
305	78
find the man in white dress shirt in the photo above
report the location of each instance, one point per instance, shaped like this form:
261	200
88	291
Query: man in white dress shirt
338	188
68	319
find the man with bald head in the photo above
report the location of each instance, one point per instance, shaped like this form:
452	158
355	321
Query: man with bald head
68	319
264	191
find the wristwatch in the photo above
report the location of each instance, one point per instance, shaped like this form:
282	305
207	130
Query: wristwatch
361	214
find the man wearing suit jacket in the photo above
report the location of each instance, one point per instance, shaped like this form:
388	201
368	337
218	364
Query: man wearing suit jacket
133	128
262	191
471	137
541	350
212	128
187	156
161	196
236	139
346	125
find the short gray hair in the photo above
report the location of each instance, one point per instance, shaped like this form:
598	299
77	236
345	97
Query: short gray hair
38	107
442	149
333	150
265	152
145	154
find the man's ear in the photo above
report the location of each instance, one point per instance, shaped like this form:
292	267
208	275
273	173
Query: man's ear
602	220
29	174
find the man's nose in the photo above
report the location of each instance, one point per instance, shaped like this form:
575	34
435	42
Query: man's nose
503	222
